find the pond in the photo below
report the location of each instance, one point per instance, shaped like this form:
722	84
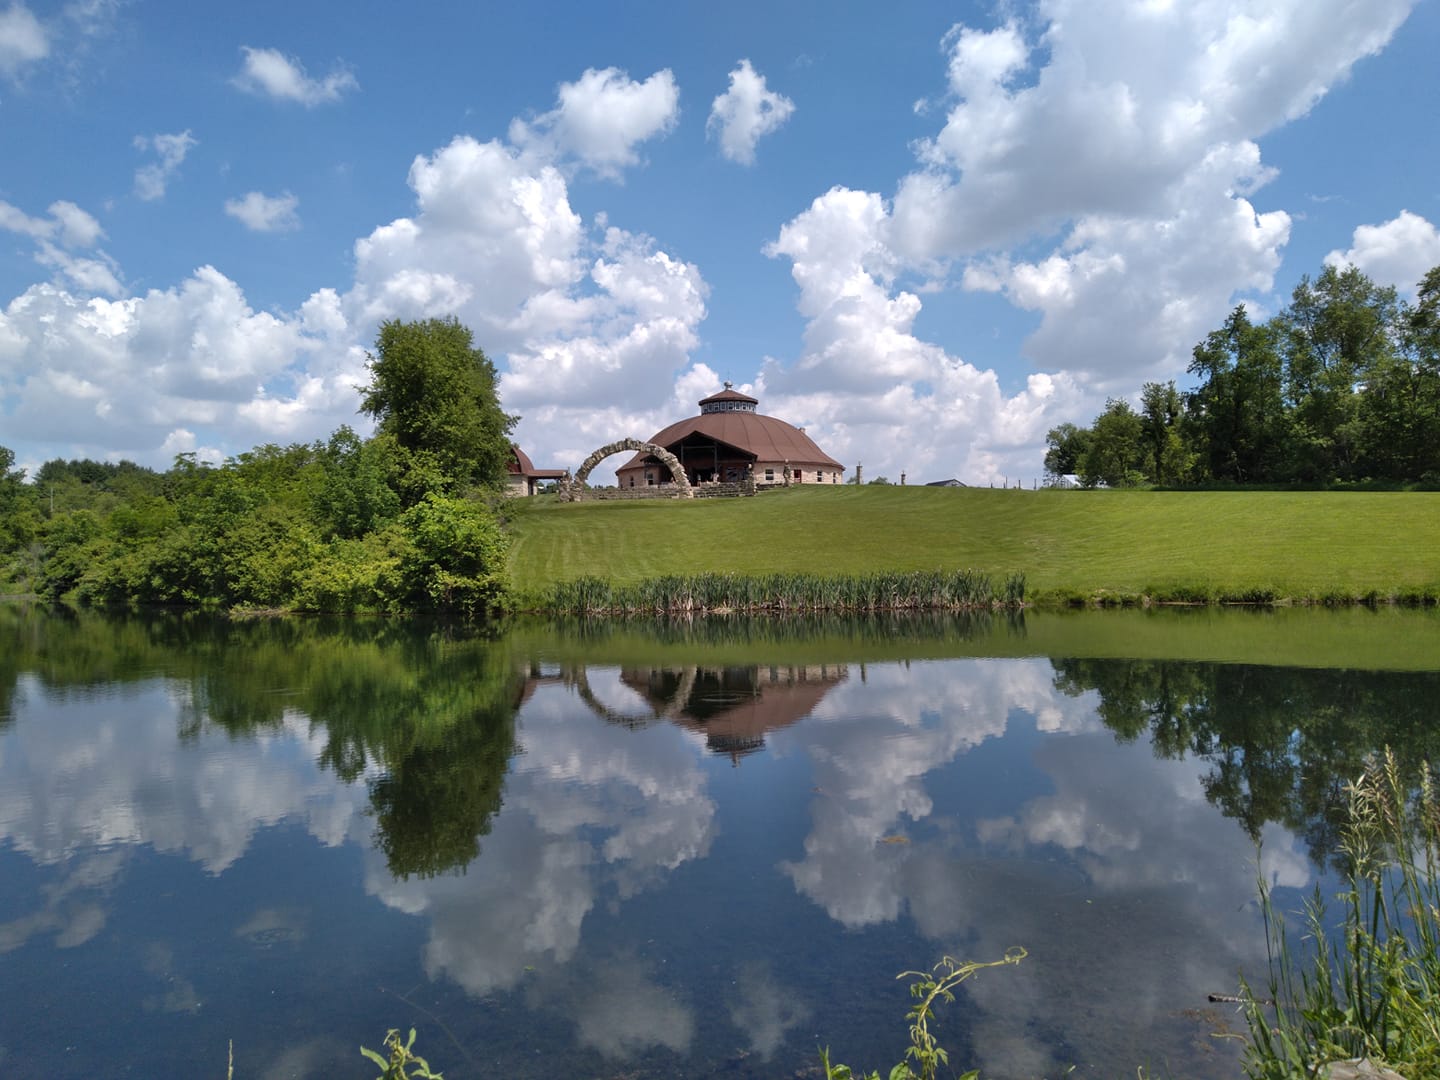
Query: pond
644	850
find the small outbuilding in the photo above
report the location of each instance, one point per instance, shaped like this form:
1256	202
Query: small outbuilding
523	477
727	440
952	482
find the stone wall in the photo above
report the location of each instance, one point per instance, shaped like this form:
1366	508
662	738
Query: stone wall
723	491
669	491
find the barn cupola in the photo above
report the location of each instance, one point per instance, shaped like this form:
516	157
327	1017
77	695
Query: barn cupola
728	400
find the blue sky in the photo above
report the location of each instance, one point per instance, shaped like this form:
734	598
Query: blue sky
927	232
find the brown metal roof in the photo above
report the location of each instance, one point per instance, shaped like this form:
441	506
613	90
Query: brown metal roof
519	462
521	465
767	438
735	708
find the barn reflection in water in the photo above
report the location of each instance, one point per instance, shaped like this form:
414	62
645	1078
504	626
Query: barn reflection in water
733	707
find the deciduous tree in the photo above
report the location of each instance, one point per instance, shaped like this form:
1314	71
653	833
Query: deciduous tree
1067	445
1337	332
1238	412
433	392
1160	411
1116	455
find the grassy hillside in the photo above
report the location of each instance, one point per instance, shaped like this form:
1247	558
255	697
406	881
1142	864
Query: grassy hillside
1300	544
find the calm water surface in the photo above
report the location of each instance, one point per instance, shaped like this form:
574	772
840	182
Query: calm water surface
648	853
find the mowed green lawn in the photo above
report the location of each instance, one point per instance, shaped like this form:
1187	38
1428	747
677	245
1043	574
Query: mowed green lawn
1301	544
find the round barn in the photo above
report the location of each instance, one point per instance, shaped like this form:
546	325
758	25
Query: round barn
728	438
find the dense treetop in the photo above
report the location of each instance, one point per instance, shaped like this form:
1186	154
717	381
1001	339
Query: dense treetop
1340	387
433	393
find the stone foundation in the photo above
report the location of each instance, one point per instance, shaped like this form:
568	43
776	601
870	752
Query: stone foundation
668	491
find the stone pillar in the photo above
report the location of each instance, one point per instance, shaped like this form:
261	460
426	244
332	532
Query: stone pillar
749	483
902	479
785	472
859	474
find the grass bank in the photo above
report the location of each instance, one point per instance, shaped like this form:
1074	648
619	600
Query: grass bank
1110	546
1361	638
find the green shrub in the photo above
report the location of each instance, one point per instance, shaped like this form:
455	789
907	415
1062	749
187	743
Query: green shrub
355	575
456	558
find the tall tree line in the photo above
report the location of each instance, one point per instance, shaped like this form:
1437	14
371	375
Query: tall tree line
399	521
1340	387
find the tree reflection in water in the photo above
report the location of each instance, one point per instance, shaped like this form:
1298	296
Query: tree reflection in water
426	716
1281	742
575	864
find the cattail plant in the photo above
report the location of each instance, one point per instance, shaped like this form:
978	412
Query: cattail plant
1369	989
788	593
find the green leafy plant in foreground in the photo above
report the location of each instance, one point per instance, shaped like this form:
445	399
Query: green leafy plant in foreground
928	987
1372	991
403	1063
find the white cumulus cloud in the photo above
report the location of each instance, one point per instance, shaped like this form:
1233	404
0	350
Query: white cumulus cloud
865	382
1129	100
593	328
151	180
601	118
114	378
97	273
67	223
1166	278
58	236
23	40
1098	166
1397	252
572	313
270	73
56	50
745	112
259	212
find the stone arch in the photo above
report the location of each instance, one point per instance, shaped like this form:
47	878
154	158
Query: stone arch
669	460
674	710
